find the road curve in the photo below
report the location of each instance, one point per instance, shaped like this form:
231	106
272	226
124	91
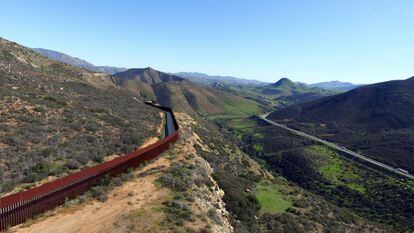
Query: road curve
339	148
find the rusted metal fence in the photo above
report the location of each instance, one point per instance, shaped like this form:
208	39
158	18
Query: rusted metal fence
17	208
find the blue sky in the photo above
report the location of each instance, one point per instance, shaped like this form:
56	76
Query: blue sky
310	41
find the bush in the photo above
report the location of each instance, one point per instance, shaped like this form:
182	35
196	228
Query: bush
214	215
99	193
117	181
178	177
73	164
12	140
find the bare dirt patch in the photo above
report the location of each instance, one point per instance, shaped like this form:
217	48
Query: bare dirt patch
95	216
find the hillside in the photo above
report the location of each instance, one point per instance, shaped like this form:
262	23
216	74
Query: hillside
376	119
344	182
61	57
336	85
184	95
56	118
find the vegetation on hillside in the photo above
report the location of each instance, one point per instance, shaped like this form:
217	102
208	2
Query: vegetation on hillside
260	202
56	118
270	199
366	192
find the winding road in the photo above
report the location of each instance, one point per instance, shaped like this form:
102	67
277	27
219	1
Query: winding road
339	148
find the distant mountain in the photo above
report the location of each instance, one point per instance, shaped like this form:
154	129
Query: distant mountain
206	79
336	85
286	90
377	106
61	57
377	119
285	83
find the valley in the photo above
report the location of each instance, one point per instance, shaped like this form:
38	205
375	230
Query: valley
244	116
375	120
340	179
388	168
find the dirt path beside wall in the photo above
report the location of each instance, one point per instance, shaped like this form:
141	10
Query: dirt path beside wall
95	216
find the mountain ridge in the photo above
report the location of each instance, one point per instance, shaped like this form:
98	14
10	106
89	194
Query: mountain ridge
207	79
147	75
375	97
75	61
335	85
182	94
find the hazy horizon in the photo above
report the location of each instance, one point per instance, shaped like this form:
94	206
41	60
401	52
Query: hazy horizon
318	41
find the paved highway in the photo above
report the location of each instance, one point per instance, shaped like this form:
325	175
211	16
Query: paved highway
339	148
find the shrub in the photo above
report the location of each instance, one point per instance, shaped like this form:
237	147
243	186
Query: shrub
47	151
12	140
214	215
117	181
73	164
99	192
178	178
